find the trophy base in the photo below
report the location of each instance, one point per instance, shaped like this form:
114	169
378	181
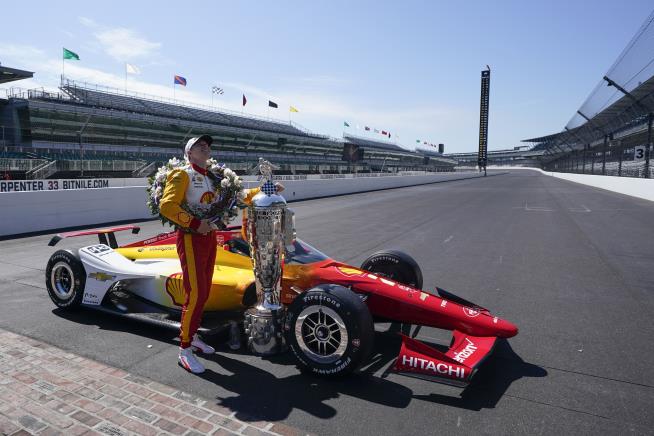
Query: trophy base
264	329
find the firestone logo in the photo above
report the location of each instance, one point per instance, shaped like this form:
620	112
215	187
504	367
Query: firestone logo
468	351
429	365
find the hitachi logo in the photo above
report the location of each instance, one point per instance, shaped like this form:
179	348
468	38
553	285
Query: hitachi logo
441	368
462	355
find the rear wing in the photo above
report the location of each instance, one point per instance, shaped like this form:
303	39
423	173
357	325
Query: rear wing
105	236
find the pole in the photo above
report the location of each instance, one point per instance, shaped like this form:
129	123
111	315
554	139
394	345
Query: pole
606	141
620	153
649	144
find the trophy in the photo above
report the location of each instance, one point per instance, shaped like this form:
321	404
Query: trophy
265	232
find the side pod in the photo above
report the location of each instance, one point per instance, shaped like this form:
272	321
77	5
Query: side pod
455	367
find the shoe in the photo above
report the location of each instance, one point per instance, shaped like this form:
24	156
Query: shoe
189	362
199	344
234	342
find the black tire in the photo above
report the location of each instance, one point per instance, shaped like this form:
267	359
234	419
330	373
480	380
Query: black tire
395	265
346	347
65	279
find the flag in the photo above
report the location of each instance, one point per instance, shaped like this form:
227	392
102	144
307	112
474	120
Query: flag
179	80
132	69
70	54
272	104
216	90
345	124
367	128
384	133
245	100
292	109
389	134
418	141
376	130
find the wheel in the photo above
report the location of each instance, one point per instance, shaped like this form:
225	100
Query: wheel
330	330
65	279
395	265
398	266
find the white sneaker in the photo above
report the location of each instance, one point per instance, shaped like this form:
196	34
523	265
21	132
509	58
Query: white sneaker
199	344
234	342
189	362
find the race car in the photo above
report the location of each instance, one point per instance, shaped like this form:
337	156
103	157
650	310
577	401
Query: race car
331	307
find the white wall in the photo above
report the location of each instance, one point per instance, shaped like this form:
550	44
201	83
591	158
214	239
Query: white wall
33	211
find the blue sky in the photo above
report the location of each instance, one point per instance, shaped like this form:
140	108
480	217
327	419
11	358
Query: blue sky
409	67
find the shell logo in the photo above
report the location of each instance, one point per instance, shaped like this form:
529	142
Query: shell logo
349	271
207	197
470	312
175	288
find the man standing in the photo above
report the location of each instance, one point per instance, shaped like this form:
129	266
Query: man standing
196	242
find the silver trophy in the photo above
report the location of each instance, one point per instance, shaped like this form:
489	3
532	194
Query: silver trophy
265	231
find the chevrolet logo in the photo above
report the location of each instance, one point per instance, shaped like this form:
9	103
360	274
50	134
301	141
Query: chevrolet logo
101	277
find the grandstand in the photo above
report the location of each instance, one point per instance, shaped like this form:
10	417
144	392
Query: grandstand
91	130
517	156
611	133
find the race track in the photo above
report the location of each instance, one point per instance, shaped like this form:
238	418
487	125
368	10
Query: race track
572	266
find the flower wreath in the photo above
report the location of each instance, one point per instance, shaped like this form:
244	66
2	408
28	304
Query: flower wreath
228	191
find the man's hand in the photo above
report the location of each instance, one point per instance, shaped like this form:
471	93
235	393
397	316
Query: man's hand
204	227
279	187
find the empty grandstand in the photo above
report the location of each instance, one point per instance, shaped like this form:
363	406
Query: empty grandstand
92	130
611	133
517	156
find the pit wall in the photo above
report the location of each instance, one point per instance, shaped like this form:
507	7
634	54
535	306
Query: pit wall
41	205
635	187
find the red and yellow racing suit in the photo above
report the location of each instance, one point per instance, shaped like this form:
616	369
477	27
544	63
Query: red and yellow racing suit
197	252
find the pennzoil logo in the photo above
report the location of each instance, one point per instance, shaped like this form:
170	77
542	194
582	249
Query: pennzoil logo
350	272
101	277
175	288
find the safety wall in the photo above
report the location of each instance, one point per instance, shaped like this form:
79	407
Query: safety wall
39	205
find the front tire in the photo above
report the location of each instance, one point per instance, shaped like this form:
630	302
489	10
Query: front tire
395	265
65	279
330	330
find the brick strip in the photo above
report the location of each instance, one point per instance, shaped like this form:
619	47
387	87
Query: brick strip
49	391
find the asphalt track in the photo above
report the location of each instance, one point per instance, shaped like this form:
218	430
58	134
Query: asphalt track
572	266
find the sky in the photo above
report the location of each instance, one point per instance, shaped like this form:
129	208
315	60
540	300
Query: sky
411	68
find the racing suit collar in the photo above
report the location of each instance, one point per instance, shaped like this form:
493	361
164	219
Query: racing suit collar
199	169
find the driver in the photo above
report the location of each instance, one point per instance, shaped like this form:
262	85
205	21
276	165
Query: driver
196	243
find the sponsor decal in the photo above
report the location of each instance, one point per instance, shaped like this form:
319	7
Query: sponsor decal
386	281
423	296
321	299
51	185
443	303
371	276
439	368
101	277
139	250
91	298
207	198
470	312
175	288
469	349
495	320
356	343
162	248
404	288
98	249
350	272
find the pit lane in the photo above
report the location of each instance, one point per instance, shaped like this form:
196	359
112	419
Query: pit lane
570	265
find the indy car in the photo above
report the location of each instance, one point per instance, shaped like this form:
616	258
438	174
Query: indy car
331	307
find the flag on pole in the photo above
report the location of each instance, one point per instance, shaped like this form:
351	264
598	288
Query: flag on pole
384	132
345	124
245	100
217	90
179	80
132	69
272	104
418	141
367	128
70	54
292	109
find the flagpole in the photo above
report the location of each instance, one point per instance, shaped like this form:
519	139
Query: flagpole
125	77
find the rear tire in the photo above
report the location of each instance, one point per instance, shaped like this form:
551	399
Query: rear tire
330	330
65	279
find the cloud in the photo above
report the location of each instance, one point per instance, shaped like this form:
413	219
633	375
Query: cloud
125	44
121	43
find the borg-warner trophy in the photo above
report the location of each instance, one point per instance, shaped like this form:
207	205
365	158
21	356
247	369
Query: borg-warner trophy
267	219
